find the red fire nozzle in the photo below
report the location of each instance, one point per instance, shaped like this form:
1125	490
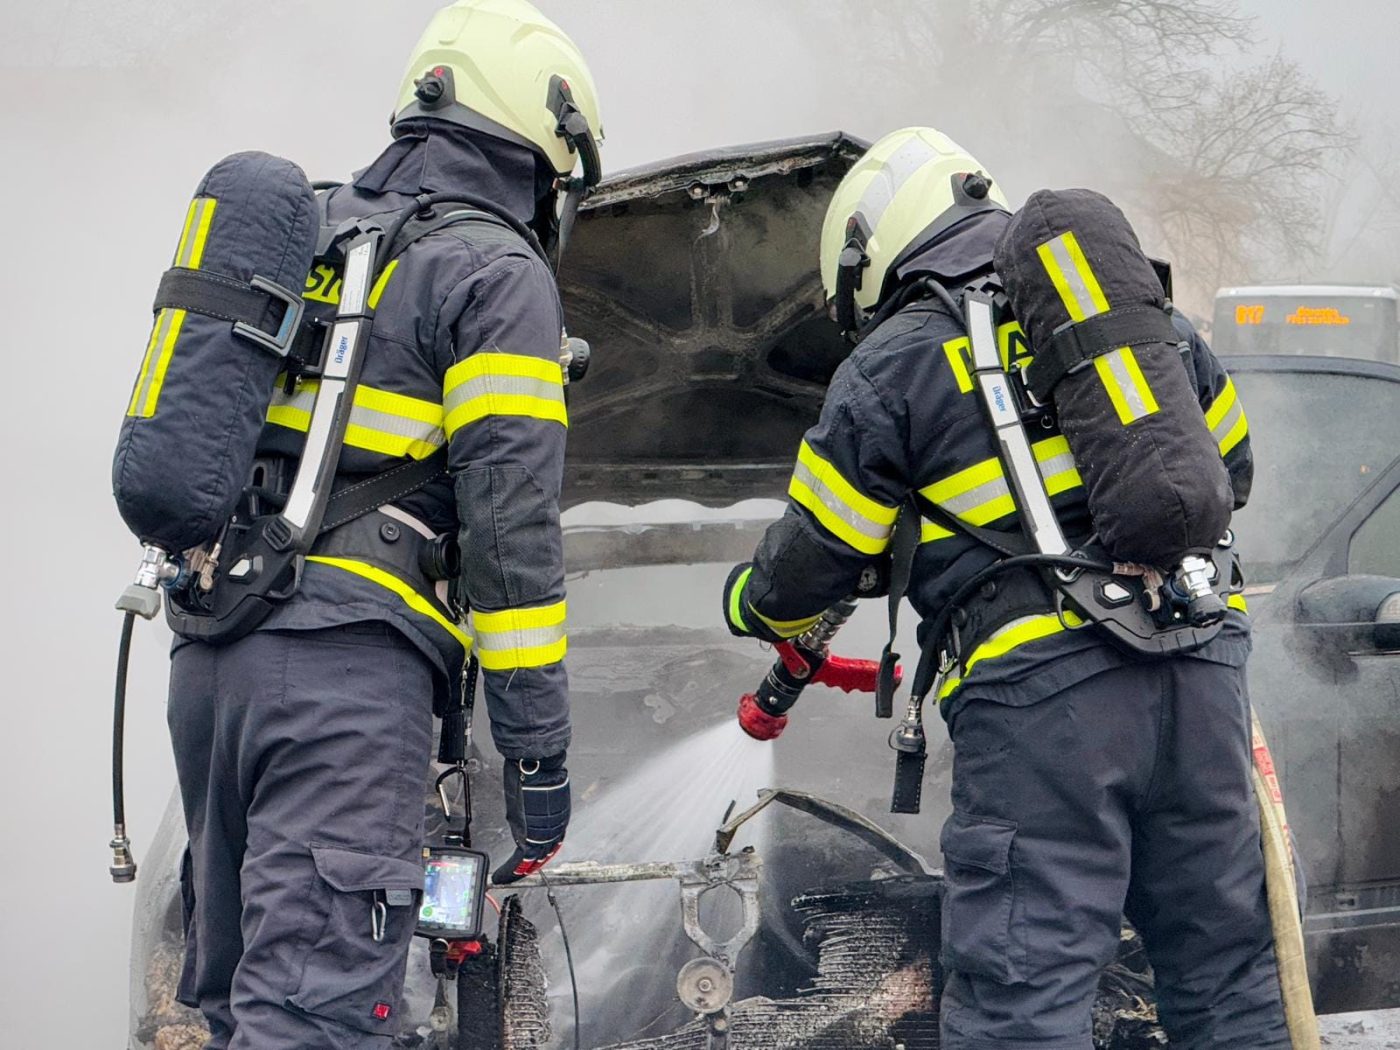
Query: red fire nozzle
757	722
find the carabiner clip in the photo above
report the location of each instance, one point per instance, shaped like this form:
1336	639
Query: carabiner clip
378	916
441	786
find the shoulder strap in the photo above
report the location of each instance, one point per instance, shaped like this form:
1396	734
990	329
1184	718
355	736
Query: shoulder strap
905	543
359	498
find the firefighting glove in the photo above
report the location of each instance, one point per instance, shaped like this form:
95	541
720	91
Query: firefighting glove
537	810
738	616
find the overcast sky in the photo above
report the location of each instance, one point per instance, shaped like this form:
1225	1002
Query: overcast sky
112	110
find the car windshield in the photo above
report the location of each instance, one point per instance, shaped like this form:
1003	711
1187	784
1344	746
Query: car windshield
1319	440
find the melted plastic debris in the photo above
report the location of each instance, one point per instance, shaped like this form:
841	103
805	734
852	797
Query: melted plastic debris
876	985
522	982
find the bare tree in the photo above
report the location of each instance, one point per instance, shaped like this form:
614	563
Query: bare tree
1242	185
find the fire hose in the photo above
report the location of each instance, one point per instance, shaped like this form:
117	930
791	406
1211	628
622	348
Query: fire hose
1282	890
802	662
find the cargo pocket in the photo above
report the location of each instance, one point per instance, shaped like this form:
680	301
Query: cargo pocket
978	895
351	977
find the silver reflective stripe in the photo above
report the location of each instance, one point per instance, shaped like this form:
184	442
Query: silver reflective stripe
903	163
1127	386
1074	280
832	502
965	503
492	383
1222	429
399	426
1058	464
302	399
201	206
520	638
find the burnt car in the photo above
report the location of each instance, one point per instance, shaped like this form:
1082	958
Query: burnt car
812	921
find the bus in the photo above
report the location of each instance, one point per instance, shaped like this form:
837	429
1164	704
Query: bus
1356	321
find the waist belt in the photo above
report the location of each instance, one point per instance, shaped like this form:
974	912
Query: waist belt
1012	595
388	540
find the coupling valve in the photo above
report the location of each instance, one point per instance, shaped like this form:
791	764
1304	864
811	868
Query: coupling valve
158	569
123	867
1192	580
908	737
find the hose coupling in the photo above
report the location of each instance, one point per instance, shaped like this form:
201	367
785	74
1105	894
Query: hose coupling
123	867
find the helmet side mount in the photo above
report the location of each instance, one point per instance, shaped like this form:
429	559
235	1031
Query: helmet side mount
572	126
435	89
851	265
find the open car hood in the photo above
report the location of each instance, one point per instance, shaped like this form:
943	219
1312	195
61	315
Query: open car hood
696	282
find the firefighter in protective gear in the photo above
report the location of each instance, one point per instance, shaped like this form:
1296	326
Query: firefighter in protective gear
302	748
1087	783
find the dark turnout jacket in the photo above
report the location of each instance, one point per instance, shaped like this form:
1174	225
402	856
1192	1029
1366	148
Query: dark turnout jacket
464	354
901	416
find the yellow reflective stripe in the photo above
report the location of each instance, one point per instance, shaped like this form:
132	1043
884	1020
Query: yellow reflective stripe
490	383
1226	419
841	508
166	328
958	351
1226	399
201	233
390	582
1072	276
381	284
1236	601
788	628
1015	634
167	351
511	639
1126	386
190	214
1235	435
736	606
1056	464
931	533
323	285
980	493
380	421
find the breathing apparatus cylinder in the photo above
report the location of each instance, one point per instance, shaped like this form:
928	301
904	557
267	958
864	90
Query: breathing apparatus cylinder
224	322
1109	358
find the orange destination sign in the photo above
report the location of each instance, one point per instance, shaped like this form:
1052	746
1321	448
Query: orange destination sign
1324	315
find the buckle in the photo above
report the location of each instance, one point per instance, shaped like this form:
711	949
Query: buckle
278	343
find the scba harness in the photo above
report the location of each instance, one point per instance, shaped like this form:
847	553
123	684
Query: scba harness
227	536
1144	613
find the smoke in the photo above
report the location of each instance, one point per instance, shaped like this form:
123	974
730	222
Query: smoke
114	110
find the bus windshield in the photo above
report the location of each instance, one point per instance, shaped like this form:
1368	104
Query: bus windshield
1347	323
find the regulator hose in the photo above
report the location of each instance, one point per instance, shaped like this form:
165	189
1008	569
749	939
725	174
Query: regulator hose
123	867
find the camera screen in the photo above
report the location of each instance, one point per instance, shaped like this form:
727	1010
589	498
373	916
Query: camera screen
452	889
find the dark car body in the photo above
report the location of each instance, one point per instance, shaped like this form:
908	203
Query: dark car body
695	280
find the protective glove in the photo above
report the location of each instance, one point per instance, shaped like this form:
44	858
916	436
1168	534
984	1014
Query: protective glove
738	617
537	810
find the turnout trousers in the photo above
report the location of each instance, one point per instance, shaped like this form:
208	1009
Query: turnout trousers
301	758
1127	793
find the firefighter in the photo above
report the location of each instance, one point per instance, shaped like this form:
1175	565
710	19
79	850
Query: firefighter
1087	783
302	748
